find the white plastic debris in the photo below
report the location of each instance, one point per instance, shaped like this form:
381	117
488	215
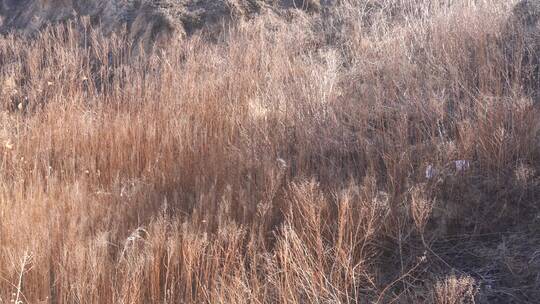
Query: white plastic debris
281	162
430	172
462	165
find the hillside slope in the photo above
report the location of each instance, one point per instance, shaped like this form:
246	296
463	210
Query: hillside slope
351	151
148	20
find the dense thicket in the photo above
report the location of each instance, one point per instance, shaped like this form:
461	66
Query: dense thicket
352	152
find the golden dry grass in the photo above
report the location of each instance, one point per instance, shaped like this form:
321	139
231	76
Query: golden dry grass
284	162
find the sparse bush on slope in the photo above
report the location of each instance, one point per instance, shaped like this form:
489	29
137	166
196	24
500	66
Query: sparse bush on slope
362	152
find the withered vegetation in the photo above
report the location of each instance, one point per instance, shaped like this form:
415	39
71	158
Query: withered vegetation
356	152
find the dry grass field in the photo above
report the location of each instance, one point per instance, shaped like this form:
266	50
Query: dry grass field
365	152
